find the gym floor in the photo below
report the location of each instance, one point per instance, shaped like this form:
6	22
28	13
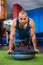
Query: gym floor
6	59
5	48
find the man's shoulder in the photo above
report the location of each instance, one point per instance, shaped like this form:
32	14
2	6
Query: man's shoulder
14	22
31	22
31	19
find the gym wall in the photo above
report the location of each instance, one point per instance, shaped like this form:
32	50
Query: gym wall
37	16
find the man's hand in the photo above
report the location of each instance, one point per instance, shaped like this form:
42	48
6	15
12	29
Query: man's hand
36	50
9	51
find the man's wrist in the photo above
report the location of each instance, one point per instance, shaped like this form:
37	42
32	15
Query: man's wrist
10	48
35	48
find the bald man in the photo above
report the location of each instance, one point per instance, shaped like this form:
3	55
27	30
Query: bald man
22	29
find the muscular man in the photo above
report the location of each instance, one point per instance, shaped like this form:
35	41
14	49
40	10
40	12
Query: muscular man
22	28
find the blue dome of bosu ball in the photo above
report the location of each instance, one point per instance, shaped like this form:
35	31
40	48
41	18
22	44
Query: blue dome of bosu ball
23	54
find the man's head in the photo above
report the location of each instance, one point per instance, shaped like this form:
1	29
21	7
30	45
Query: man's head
23	18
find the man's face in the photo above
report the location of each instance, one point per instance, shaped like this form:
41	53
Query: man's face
23	19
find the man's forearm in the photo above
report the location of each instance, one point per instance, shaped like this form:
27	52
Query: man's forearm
34	42
11	43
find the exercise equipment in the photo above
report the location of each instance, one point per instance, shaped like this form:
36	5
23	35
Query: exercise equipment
23	54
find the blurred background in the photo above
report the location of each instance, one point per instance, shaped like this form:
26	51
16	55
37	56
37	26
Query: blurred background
9	9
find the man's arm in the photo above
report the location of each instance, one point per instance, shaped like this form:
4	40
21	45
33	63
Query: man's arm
12	33
33	35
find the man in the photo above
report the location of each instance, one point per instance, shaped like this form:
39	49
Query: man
22	28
